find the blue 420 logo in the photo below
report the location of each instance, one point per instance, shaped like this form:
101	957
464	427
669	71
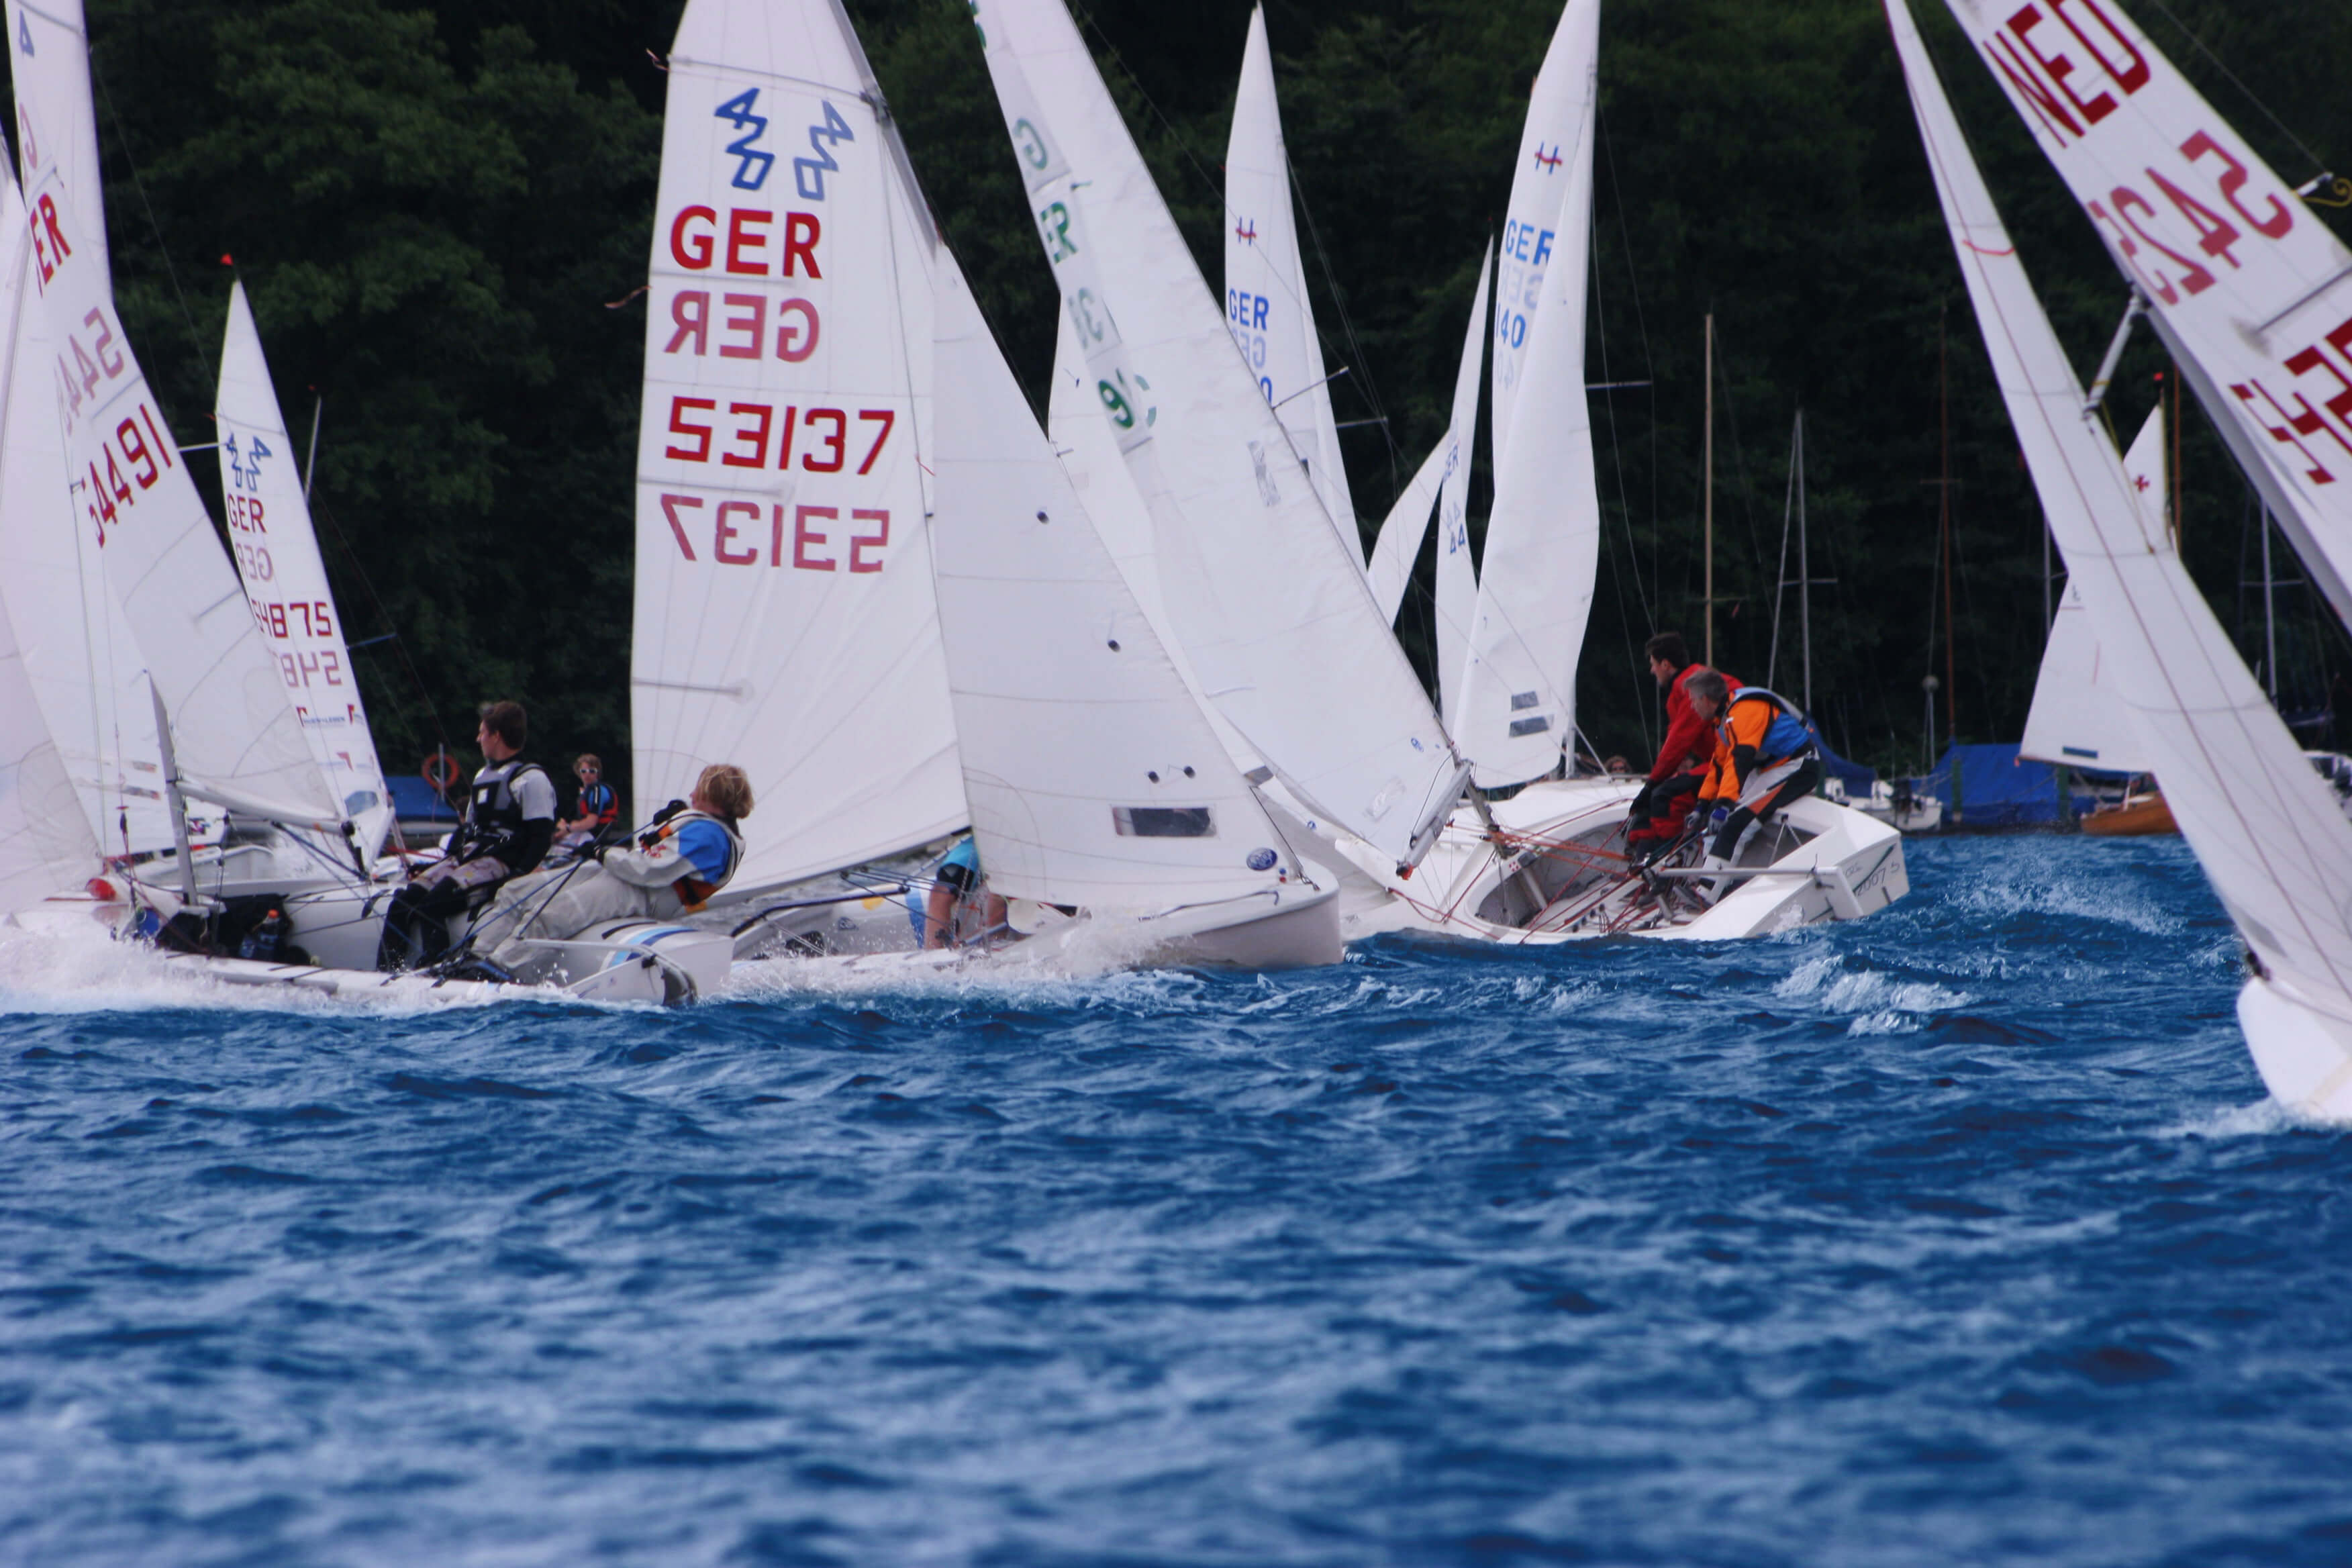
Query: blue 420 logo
752	165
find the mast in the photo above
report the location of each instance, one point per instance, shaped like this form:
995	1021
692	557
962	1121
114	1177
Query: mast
1710	503
1944	523
1804	569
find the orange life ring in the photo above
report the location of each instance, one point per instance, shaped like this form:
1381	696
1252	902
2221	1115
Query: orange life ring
440	771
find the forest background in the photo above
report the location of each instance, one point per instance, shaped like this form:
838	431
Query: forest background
441	212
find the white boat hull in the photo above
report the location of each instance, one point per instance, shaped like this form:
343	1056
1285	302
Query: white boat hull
1825	862
2303	1054
1296	926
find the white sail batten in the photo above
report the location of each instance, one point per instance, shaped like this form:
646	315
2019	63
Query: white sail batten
2240	279
2267	830
1093	778
1517	719
56	115
1274	613
228	699
1555	134
277	553
1265	284
785	619
2078	718
1457	578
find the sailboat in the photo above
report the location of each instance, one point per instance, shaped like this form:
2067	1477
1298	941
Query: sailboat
919	627
1546	863
2264	828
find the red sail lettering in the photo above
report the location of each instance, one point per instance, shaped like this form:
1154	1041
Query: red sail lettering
795	342
742	243
799	243
2232	181
802	538
692	251
756	435
679	425
858	542
690	310
747	323
722	530
2130	77
2058	67
2038	98
669	505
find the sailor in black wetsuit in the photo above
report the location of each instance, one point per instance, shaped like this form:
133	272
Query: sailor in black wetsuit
507	825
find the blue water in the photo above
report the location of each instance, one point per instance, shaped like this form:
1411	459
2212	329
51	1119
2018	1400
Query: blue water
1959	1235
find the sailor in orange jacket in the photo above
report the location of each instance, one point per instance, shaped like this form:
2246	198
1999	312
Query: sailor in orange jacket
1765	756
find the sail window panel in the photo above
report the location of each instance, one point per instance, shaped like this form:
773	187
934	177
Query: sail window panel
1535	726
1163	821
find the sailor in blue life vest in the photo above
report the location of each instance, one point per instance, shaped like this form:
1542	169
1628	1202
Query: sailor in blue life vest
503	830
688	852
599	806
959	890
1765	756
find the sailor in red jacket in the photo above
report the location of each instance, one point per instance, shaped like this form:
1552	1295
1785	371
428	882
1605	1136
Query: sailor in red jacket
1656	819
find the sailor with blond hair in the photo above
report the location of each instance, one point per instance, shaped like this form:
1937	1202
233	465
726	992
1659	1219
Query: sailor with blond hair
671	868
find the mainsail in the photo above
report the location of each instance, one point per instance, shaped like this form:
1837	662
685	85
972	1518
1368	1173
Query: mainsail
237	732
2078	718
57	120
784	614
1092	776
277	554
1517	718
1273	611
1265	284
80	658
1556	135
2248	289
2265	829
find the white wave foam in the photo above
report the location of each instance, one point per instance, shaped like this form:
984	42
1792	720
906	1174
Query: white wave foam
2264	1119
2103	898
73	967
1878	999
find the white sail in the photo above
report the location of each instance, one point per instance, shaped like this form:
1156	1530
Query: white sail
1275	615
56	117
1457	578
785	619
1517	719
2241	281
277	554
231	719
80	658
2078	718
1092	777
2267	830
1265	284
1556	133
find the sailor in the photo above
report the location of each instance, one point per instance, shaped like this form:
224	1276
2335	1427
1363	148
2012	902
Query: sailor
503	830
688	852
1656	816
959	881
1765	756
599	807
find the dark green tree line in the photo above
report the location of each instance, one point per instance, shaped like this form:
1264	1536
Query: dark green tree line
441	211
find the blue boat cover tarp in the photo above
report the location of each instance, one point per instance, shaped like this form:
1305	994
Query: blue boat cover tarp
1992	786
414	801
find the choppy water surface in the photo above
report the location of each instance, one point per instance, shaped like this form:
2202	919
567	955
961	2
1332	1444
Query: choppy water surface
1962	1234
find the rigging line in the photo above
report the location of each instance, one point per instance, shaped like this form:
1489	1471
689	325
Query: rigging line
367	584
1339	303
2251	96
122	140
1085	18
1738	454
1642	328
1634	666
